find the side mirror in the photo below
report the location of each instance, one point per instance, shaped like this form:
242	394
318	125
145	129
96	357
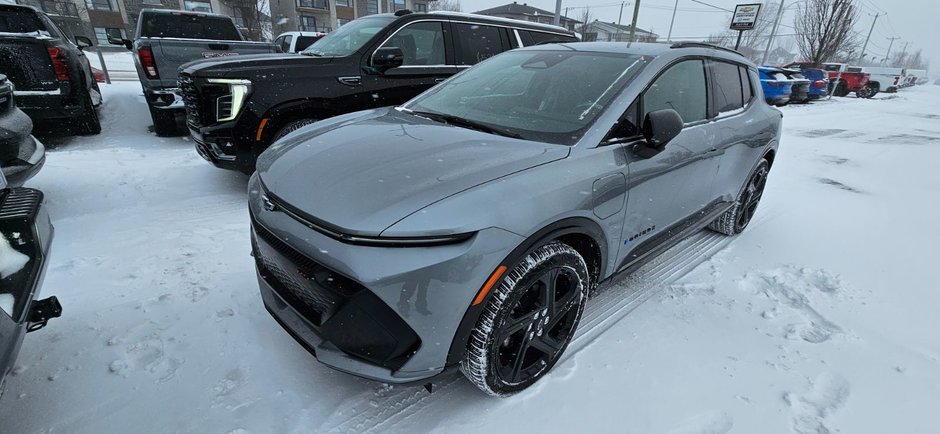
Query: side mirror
659	127
82	42
386	58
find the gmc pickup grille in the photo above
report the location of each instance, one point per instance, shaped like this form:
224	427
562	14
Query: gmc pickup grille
191	101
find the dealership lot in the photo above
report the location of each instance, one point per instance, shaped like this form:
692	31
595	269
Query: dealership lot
822	314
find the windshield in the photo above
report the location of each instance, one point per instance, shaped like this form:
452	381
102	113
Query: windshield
348	38
550	96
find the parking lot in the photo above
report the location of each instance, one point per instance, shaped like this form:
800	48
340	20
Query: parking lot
822	314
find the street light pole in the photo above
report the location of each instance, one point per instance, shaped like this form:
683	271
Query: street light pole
864	47
773	32
557	12
673	21
888	55
619	20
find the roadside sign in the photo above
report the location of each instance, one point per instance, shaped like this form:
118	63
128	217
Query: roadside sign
745	16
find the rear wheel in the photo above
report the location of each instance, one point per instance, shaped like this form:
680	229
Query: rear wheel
737	218
530	318
867	91
164	122
88	122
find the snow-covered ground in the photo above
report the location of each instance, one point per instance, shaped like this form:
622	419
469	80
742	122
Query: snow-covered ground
821	317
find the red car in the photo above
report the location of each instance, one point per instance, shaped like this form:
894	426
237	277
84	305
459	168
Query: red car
843	79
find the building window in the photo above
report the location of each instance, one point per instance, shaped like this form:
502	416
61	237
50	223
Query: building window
154	2
314	4
421	7
399	5
101	34
346	3
310	24
102	5
372	7
197	6
238	18
340	22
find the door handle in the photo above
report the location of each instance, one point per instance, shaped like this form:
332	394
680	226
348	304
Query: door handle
350	81
438	80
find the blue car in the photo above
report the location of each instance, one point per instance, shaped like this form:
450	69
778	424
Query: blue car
777	87
818	82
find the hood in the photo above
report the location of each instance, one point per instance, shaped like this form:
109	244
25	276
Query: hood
254	63
363	173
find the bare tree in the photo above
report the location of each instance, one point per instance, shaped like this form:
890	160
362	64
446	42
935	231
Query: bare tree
252	13
586	28
824	28
445	5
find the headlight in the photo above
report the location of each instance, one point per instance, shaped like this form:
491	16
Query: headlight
228	106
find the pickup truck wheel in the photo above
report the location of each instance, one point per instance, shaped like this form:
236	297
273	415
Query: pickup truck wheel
866	92
291	127
88	123
530	318
737	218
841	89
164	122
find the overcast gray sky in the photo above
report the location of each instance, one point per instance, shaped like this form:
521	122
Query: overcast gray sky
914	21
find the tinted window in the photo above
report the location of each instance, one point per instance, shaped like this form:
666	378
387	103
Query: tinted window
477	43
681	88
19	21
304	41
746	84
530	37
727	93
629	124
421	43
550	96
189	27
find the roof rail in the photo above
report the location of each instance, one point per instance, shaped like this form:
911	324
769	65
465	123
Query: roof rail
548	27
690	44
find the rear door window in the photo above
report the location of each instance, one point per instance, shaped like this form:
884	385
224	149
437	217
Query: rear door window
746	84
531	37
681	88
477	42
728	94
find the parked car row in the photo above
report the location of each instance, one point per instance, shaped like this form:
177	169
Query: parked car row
800	82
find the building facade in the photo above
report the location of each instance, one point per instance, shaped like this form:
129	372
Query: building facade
525	12
601	31
326	15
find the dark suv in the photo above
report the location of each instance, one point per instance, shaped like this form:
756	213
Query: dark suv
237	106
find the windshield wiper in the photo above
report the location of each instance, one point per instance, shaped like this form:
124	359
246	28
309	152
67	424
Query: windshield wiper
463	122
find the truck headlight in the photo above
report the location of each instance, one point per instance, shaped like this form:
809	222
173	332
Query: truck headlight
228	106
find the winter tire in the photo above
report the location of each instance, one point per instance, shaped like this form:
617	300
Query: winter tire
291	127
164	122
530	318
737	218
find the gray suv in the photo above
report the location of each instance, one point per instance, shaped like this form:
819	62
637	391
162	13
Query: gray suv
468	227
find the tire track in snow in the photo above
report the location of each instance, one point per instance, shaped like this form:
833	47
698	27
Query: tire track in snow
381	411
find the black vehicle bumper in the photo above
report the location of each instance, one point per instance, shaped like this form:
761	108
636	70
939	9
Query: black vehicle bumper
31	158
221	150
50	106
25	224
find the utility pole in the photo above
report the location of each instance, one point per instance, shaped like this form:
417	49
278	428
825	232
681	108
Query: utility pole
861	58
636	14
673	21
619	20
773	32
557	12
888	55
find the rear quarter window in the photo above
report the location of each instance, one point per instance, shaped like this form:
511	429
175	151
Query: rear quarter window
531	37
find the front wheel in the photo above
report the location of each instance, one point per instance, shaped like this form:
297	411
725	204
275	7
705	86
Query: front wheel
737	218
530	318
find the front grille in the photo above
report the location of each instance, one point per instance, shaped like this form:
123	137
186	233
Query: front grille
190	100
314	290
20	203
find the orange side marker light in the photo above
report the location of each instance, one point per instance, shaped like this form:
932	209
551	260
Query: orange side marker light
489	285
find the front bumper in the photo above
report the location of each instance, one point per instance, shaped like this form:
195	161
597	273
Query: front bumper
422	292
164	98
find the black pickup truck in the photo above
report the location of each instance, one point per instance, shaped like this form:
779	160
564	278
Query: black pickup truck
51	74
237	106
25	240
